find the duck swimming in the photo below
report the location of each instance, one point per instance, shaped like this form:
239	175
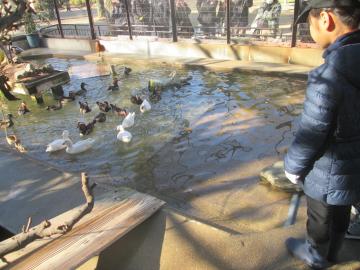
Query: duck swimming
84	107
82	90
8	122
69	98
55	107
114	86
118	111
123	135
86	129
127	71
137	100
78	147
23	109
104	107
58	144
145	106
13	140
129	120
100	118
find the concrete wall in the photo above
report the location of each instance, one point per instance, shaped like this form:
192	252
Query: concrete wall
267	54
69	44
20	41
190	49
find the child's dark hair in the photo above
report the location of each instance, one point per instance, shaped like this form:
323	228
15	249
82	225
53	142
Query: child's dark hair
349	16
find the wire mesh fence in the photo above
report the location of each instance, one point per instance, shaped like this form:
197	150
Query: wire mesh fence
268	21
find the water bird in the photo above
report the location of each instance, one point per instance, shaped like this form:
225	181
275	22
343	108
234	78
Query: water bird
55	107
69	98
82	90
13	140
86	129
84	107
145	106
100	118
118	111
6	123
129	120
58	144
114	86
136	100
79	147
23	109
127	71
99	47
123	135
103	106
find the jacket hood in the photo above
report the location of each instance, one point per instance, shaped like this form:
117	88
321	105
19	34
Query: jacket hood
344	56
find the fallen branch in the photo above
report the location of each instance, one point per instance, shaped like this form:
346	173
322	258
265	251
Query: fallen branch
45	229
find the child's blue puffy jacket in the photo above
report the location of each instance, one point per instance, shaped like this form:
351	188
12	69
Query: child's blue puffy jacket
326	148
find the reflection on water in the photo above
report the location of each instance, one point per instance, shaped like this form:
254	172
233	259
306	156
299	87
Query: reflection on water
216	119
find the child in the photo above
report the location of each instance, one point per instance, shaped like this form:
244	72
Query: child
325	153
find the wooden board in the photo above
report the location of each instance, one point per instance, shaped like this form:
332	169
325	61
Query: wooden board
109	221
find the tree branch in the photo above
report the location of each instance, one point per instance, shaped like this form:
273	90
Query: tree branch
45	229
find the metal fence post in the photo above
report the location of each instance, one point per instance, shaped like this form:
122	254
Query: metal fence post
173	20
228	32
294	28
58	19
91	21
76	30
128	19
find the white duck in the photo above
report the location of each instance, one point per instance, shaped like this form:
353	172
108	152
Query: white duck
58	144
145	106
123	135
79	147
129	120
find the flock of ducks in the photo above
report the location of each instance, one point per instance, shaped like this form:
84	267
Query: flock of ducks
84	128
104	107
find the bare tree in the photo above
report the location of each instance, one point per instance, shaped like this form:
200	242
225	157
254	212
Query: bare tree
11	14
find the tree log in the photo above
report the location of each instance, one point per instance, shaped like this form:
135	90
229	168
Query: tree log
45	229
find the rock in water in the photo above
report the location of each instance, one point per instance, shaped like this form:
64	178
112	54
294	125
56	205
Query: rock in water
275	175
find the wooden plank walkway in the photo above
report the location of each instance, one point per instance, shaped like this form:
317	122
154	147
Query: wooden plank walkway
110	219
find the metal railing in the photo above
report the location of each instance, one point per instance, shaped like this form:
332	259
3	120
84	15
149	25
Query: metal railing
185	24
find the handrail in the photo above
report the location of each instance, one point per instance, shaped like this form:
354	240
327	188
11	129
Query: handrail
83	31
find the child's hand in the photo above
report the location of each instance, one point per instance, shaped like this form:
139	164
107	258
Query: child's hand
295	179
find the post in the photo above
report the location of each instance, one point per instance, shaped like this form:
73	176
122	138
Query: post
294	28
76	30
58	19
173	20
228	33
128	19
91	21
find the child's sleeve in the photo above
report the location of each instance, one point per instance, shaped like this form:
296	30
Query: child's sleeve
317	122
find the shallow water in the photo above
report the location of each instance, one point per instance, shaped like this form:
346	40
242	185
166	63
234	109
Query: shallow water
218	122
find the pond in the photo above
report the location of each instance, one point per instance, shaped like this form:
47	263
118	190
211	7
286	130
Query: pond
221	128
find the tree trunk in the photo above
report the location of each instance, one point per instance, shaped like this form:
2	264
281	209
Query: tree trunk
5	88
